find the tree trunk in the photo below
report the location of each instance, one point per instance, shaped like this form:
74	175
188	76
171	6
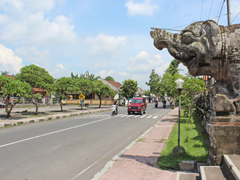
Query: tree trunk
34	101
100	102
60	102
7	103
9	112
11	107
174	101
51	100
61	106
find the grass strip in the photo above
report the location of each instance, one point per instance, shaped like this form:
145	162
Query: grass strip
190	138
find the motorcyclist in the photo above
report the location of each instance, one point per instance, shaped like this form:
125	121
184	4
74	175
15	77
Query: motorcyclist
115	103
164	101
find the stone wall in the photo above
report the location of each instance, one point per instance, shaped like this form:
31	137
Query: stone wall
225	139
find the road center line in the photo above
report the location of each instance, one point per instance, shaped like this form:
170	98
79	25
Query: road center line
54	132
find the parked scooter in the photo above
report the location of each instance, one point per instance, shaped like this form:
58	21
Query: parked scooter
114	110
156	104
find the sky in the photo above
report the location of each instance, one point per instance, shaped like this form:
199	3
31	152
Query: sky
104	37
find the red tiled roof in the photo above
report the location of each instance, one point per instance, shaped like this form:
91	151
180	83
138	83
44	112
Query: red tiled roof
10	76
116	84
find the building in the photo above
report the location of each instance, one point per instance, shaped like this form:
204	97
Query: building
140	92
116	86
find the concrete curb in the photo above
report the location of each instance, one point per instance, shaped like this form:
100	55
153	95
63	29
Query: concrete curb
49	117
232	167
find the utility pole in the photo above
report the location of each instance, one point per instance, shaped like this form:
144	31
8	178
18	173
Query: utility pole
229	12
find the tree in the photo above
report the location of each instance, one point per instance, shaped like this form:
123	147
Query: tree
10	87
173	67
4	72
167	84
87	75
101	89
110	78
84	86
62	87
191	87
147	93
129	88
154	83
37	77
112	93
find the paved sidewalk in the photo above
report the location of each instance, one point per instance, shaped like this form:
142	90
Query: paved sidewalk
139	162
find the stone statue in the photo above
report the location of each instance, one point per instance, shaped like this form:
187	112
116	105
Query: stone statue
206	48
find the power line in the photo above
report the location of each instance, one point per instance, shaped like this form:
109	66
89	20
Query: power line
220	11
235	17
210	10
219	8
191	23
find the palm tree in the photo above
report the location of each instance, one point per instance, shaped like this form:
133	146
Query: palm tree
87	75
4	73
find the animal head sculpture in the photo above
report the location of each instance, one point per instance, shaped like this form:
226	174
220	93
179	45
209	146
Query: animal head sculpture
206	49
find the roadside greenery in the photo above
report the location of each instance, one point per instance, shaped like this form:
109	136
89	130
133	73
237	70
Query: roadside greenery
37	77
192	88
154	83
101	89
166	84
87	76
110	78
192	141
84	86
10	87
62	87
129	88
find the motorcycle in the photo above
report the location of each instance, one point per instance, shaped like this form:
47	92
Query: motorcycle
114	110
156	104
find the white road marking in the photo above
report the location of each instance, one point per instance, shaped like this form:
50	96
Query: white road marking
143	116
149	116
54	132
155	117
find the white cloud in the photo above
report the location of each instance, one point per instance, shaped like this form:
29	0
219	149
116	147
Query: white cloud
34	55
9	61
103	73
105	45
61	66
144	8
58	71
123	74
99	64
145	62
27	24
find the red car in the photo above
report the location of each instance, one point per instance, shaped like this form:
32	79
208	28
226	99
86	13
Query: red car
138	104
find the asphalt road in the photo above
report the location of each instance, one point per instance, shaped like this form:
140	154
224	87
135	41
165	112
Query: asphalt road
70	148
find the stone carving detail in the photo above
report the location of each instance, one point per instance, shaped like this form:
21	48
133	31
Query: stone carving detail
206	48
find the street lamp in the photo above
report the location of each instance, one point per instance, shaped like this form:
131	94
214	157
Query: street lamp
178	150
179	83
